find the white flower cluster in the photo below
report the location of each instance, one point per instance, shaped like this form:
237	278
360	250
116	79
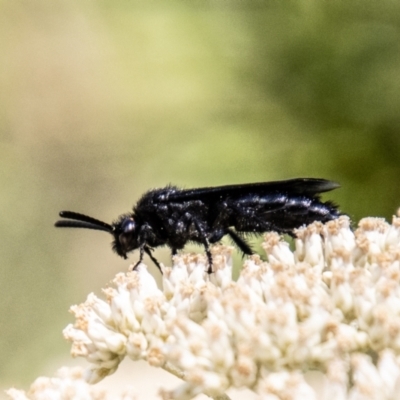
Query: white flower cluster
331	305
67	384
136	319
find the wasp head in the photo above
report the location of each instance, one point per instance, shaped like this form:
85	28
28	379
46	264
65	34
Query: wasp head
125	235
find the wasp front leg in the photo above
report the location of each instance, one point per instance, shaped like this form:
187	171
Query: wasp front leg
147	239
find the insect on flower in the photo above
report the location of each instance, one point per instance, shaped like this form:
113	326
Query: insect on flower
173	217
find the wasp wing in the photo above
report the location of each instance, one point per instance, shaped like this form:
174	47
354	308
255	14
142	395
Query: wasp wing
299	186
256	207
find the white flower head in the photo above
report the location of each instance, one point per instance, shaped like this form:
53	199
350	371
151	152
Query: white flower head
331	305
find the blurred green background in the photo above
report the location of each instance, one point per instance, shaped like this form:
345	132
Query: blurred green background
100	101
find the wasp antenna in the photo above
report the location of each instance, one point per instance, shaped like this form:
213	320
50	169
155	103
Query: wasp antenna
80	224
91	222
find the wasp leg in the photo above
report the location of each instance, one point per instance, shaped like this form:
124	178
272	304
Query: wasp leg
240	242
155	261
141	254
206	244
174	252
216	235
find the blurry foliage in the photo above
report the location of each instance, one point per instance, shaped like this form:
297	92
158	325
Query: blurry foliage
100	101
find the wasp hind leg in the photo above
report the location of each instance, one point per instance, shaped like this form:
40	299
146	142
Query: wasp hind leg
239	242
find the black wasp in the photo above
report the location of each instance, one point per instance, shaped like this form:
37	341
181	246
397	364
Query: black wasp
172	216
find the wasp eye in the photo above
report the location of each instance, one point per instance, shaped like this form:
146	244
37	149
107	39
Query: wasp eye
128	225
125	239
